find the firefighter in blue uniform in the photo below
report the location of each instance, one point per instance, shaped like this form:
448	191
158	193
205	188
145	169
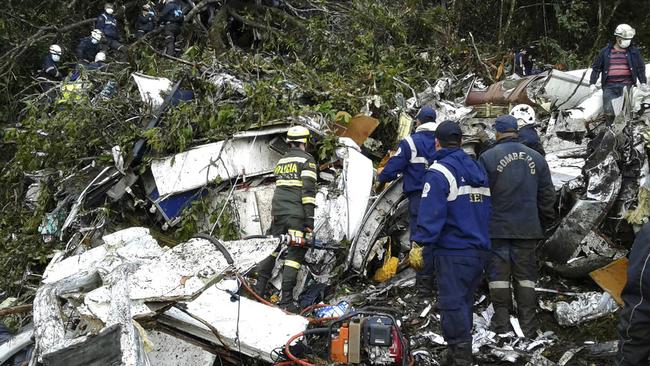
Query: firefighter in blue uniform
146	21
634	324
413	157
107	23
453	221
292	208
171	17
523	199
50	67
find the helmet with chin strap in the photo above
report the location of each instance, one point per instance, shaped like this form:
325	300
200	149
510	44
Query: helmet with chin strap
624	31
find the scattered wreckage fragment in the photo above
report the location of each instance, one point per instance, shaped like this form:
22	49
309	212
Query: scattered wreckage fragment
131	280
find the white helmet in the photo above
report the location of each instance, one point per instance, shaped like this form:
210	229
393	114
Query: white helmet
55	49
624	31
524	114
96	34
100	56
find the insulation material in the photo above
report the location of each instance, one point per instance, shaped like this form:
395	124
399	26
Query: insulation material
588	306
261	328
358	129
612	278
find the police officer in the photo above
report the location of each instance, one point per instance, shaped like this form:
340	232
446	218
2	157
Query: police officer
523	199
50	67
413	157
88	47
621	65
107	24
634	324
145	21
528	135
171	17
453	221
293	204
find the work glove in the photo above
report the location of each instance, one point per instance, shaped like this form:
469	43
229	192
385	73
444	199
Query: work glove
593	88
415	257
644	87
379	187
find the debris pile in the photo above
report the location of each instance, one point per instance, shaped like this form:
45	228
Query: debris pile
131	297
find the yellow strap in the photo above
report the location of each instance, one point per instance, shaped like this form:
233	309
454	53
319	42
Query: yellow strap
288	183
308	174
297	233
275	254
306	200
292	264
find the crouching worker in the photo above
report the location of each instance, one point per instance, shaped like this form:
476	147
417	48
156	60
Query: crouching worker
413	157
292	209
454	220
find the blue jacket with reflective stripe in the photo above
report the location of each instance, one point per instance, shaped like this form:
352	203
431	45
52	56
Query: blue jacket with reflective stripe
455	208
414	155
108	25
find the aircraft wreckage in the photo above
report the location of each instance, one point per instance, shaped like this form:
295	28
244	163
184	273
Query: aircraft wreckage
124	297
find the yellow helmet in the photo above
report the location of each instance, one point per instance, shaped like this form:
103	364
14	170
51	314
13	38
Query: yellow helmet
298	134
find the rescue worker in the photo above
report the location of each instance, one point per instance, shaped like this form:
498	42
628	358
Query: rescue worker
171	17
453	221
145	22
523	199
292	208
100	62
107	24
50	67
634	324
524	62
528	135
621	66
413	157
88	47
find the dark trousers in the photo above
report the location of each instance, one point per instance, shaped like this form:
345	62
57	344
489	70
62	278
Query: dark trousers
172	31
513	258
427	255
459	278
611	92
293	260
634	323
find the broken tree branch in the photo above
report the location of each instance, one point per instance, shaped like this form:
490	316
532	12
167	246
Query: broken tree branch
478	56
20	309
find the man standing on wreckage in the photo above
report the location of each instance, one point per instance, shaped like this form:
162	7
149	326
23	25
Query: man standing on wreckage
621	66
523	199
292	208
412	159
453	221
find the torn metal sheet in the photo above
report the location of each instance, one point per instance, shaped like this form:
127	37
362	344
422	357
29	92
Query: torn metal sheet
98	350
372	226
256	328
338	216
588	306
225	81
562	90
586	214
221	160
152	89
171	351
16	344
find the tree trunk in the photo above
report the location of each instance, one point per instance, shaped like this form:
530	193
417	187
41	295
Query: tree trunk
603	22
511	14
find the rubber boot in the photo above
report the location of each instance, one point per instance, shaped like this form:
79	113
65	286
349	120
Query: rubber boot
264	270
609	120
463	354
502	302
527	310
447	357
289	279
424	285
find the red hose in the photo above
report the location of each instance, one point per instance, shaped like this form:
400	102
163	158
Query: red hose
291	356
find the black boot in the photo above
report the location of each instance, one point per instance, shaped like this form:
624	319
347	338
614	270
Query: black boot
463	354
264	270
447	357
527	311
289	279
424	285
